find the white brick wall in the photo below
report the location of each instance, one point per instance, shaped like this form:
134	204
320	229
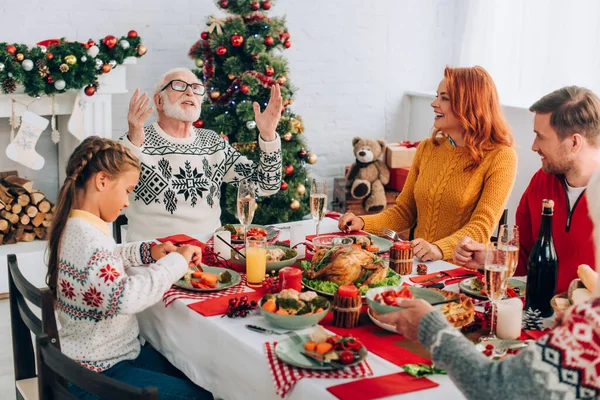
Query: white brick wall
352	60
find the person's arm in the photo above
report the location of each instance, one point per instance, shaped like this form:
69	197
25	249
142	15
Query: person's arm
402	215
523	221
135	254
498	184
266	174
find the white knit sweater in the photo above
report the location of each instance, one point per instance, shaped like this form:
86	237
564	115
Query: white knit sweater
179	189
97	300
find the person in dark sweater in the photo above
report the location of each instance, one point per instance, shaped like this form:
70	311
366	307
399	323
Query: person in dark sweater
567	137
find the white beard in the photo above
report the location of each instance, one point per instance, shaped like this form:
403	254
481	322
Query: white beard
175	111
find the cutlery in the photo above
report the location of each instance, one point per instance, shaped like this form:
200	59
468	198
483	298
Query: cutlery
230	246
390	234
293	335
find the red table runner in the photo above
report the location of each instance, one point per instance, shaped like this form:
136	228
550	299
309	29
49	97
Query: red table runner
382	386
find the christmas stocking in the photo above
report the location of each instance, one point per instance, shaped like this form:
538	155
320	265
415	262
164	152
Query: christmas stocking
76	123
22	148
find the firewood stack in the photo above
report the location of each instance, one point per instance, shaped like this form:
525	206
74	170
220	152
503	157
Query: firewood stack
25	214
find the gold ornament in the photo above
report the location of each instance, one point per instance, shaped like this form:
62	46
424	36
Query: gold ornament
44	71
295	205
287	136
297	125
231	76
64	68
216	24
282	80
215	94
141	49
312	158
199	62
20	57
71	59
301	189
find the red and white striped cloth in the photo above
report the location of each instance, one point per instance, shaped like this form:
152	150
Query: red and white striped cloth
177	293
285	376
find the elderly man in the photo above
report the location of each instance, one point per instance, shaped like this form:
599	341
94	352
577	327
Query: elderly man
183	167
567	137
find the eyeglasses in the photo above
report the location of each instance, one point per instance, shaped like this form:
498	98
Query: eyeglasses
181	86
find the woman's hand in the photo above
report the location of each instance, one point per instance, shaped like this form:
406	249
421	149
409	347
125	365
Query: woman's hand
425	250
192	254
408	319
160	250
267	121
469	254
350	222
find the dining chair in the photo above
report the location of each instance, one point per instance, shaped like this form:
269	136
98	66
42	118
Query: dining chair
503	220
23	322
119	222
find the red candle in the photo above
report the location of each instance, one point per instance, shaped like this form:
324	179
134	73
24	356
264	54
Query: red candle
290	278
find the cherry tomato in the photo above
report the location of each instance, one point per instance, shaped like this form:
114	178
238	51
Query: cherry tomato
346	357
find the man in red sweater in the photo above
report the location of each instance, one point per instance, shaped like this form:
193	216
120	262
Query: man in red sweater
567	137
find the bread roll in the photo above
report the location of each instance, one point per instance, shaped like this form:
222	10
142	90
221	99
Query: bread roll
581	296
588	276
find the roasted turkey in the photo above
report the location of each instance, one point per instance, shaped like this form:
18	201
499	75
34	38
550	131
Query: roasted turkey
344	266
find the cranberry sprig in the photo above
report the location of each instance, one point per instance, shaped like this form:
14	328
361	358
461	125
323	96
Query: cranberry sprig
271	283
240	308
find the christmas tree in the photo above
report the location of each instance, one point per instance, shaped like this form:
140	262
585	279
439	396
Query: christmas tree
239	59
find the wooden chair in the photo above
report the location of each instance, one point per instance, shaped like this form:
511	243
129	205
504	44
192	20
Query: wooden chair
23	322
503	220
119	222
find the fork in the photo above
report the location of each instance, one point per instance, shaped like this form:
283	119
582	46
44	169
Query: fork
293	335
390	234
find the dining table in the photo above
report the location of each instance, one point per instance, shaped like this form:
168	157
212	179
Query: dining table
221	355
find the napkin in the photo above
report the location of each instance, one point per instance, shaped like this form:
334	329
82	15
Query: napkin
219	305
457	274
382	386
182	239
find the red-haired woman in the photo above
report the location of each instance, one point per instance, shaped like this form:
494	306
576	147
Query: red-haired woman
461	177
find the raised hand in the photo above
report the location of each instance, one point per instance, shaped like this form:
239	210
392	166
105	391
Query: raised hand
350	222
137	115
267	120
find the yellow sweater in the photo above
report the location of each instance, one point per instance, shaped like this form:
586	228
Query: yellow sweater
446	202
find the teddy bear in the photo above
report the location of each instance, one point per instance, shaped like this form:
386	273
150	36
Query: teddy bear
368	174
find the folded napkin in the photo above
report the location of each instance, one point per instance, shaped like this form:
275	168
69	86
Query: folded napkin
285	376
182	239
339	233
456	275
333	215
219	305
382	386
535	335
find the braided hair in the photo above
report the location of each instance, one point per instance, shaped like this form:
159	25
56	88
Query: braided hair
92	156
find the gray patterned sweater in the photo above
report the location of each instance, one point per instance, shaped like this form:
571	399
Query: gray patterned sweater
180	182
564	364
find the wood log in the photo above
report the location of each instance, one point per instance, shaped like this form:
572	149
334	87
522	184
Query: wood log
2	205
49	216
46	223
24	219
32	211
44	206
40	233
8	207
19	232
20	182
36	197
16	208
5	196
10	238
13	218
4	225
1	239
28	237
28	228
24	200
38	219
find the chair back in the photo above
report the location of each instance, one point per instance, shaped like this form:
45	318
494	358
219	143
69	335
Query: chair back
503	220
55	368
119	222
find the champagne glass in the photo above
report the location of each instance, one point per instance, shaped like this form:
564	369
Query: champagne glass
246	203
508	239
496	278
318	200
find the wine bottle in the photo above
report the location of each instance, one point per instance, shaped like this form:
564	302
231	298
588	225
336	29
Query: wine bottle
542	268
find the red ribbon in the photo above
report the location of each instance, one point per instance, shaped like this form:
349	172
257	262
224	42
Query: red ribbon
408	144
48	42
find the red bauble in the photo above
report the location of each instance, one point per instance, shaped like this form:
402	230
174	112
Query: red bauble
269	40
269	71
50	56
204	35
289	169
110	41
254	6
224	3
302	153
11	49
90	90
282	110
284	185
284	36
254	57
287	44
106	68
91	43
237	40
266	5
221	50
132	34
198	124
244	88
50	80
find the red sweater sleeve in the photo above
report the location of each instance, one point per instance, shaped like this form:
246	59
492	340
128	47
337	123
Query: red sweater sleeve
524	222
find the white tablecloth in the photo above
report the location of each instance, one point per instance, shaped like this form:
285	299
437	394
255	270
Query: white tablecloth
221	355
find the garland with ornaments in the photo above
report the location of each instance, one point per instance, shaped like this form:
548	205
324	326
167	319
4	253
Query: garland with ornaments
54	66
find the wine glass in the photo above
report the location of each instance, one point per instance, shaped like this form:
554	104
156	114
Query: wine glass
246	203
496	278
508	239
318	201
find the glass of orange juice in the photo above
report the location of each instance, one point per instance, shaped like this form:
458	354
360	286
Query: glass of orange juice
256	260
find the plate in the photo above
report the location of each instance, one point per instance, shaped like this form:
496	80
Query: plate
380	324
465	286
271	232
383	244
271	266
429	296
235	280
290	353
390	274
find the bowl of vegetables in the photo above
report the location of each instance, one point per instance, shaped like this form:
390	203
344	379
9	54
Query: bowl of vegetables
292	310
382	300
277	257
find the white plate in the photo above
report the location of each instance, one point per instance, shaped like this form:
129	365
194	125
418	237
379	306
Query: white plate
380	324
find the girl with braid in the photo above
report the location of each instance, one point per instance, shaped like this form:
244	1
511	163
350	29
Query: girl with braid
97	300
